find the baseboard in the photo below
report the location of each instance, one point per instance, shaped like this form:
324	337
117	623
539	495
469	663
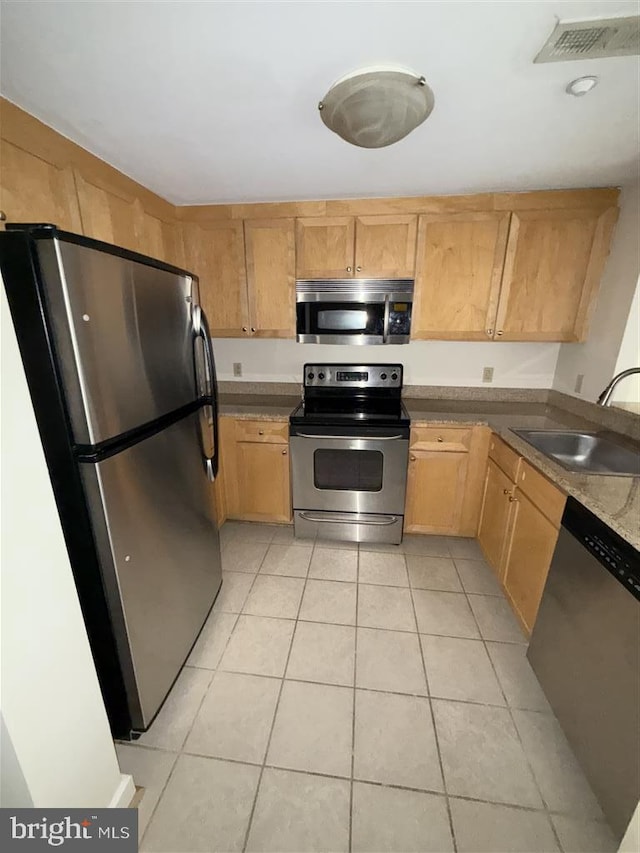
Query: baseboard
124	793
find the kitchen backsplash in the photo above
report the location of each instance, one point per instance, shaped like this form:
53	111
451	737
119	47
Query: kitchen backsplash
437	363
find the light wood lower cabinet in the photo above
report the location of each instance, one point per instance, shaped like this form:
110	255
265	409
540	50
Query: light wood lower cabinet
519	524
530	548
255	459
444	482
497	509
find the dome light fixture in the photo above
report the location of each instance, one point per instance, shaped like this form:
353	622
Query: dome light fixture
581	85
375	107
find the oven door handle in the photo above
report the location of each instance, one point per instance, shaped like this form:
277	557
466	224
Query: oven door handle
350	437
337	518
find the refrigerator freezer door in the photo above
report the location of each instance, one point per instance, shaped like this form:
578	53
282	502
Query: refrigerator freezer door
152	513
124	338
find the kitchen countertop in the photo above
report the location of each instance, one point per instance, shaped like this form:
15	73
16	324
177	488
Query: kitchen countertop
615	500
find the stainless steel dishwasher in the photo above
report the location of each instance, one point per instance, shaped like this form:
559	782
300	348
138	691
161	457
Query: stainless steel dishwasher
585	650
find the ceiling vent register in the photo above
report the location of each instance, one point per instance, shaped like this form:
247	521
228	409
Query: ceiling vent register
597	39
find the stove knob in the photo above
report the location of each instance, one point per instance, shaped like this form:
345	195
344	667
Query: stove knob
383	376
321	376
394	376
310	375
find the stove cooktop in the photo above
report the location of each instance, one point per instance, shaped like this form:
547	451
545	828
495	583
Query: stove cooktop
345	411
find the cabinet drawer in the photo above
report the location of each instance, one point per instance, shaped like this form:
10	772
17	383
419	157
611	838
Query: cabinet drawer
505	457
441	438
270	432
541	492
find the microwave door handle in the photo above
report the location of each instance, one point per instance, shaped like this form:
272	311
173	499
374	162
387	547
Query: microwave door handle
385	331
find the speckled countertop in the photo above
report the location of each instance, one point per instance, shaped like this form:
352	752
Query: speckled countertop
616	500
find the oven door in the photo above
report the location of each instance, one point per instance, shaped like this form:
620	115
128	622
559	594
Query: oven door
345	473
341	322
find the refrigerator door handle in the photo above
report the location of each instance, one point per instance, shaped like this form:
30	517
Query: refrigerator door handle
201	328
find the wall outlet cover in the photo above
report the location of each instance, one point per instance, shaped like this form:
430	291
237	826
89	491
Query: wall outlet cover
237	368
487	374
579	380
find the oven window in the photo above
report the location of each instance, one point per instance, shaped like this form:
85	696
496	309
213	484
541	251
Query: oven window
348	470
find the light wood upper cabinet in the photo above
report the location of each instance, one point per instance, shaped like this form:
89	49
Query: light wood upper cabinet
325	247
35	190
215	253
108	213
459	261
271	266
552	269
356	247
160	238
385	246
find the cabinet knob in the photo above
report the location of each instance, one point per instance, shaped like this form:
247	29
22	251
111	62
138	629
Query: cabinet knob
489	332
439	438
244	329
513	500
412	458
3	216
348	269
252	329
500	332
284	452
260	432
358	269
506	492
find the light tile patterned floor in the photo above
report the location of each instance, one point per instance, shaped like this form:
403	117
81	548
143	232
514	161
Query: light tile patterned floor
359	698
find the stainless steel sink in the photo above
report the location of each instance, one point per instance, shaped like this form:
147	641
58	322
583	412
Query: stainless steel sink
586	452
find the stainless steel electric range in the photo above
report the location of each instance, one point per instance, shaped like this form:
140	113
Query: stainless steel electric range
349	441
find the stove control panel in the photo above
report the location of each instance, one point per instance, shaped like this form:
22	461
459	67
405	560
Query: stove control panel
353	376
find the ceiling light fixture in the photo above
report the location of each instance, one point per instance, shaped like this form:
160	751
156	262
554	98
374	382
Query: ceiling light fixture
375	107
581	85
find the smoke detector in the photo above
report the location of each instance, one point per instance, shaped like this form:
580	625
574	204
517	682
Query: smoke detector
595	39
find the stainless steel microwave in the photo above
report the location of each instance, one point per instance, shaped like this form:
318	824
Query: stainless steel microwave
354	311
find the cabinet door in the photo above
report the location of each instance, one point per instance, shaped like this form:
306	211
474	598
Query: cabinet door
435	491
160	238
34	190
270	247
552	268
386	246
529	554
459	263
214	251
262	472
495	518
325	247
108	214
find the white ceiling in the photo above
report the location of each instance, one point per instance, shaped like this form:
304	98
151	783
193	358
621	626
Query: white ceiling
208	102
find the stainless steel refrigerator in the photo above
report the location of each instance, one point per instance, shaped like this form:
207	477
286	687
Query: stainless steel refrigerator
120	368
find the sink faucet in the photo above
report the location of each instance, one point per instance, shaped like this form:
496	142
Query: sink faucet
605	398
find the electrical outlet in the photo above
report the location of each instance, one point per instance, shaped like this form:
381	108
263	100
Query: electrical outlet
487	374
578	386
237	368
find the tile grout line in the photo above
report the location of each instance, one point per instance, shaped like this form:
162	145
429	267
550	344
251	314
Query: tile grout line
545	808
180	751
353	712
433	721
277	706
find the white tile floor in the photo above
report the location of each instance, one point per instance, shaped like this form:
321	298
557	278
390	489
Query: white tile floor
359	698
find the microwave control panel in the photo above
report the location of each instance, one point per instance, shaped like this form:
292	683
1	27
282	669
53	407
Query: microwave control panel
399	318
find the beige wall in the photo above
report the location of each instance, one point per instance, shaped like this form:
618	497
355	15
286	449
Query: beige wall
597	357
627	393
57	749
516	365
